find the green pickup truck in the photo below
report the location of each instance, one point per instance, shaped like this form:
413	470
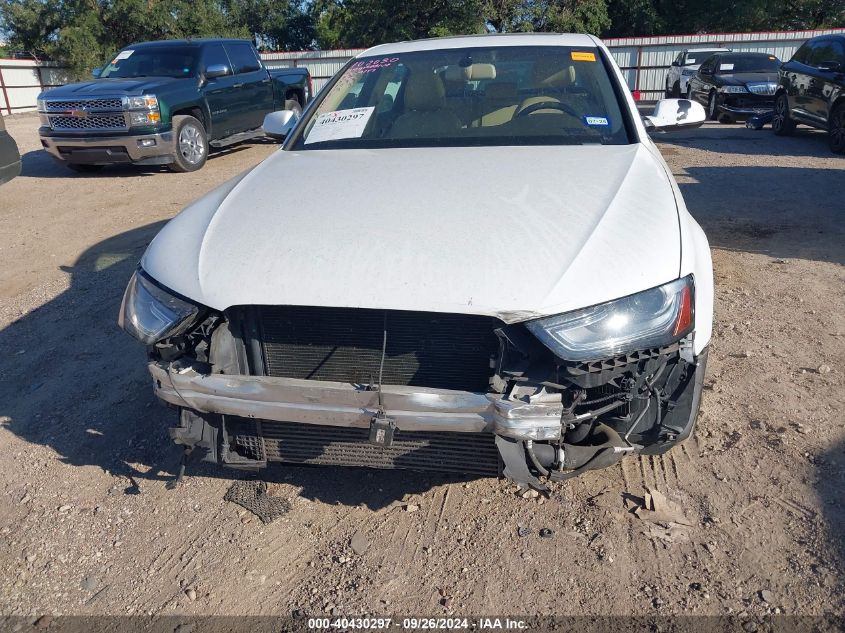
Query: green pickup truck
167	103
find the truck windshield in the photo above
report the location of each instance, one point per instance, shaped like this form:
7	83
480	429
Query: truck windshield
154	61
538	95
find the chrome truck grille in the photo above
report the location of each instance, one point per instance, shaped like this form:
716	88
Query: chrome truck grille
424	349
91	105
90	122
100	114
262	440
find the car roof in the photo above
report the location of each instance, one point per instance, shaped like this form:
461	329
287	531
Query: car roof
487	39
744	54
715	49
197	42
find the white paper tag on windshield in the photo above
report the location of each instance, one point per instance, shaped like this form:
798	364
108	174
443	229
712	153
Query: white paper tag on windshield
124	55
340	124
726	66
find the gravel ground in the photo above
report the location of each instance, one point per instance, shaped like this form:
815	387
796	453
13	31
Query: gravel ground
87	526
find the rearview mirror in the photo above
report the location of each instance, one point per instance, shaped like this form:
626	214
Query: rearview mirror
675	114
279	124
216	70
96	73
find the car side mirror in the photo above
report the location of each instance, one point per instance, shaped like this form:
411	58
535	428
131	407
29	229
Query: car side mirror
279	124
675	114
216	70
830	67
96	73
675	63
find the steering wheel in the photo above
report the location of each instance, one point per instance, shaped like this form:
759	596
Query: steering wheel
550	105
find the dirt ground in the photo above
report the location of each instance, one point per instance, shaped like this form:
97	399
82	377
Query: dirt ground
87	526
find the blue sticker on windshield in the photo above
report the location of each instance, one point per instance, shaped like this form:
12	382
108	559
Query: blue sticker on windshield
597	121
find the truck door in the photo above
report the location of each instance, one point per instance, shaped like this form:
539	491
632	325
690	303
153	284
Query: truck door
219	92
254	98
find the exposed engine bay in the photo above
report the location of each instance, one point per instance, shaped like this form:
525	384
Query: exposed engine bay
245	384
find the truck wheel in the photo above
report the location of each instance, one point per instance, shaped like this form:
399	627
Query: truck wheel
191	144
836	133
782	124
293	106
83	168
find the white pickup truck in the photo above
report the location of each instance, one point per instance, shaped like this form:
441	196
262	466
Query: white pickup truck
684	67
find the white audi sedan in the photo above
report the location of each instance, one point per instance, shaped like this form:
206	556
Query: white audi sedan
494	273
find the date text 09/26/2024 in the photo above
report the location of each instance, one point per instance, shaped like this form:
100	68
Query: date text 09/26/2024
414	624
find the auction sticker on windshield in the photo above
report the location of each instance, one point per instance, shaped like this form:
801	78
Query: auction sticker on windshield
339	124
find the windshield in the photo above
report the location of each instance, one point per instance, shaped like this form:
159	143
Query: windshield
697	57
154	61
747	64
538	95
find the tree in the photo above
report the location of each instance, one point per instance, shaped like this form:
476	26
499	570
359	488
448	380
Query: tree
563	16
362	23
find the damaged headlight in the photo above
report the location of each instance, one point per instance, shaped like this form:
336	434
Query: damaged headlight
150	313
651	318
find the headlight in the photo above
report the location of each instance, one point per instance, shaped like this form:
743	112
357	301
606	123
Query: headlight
138	119
651	318
688	72
41	105
732	89
150	313
147	102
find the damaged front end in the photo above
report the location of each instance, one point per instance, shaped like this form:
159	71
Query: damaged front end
416	390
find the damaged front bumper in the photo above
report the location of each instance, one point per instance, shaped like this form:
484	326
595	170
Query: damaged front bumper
346	405
245	421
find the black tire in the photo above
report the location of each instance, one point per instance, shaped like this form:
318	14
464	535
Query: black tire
836	130
727	120
712	110
83	168
191	142
294	106
688	94
782	123
676	90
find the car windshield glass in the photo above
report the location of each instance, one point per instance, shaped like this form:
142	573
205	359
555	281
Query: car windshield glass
155	61
539	95
747	64
697	57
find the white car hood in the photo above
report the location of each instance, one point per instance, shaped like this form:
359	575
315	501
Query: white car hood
511	232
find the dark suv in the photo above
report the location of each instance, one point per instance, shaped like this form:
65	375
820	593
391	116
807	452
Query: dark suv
811	90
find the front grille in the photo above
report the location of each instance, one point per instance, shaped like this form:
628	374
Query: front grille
762	88
110	103
470	453
91	122
425	349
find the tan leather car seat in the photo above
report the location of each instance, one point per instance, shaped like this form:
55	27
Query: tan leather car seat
426	113
501	99
549	75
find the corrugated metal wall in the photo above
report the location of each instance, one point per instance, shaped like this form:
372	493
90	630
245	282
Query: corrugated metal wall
22	79
643	60
321	64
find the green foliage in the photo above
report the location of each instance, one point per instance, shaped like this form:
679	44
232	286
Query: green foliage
361	23
85	33
561	16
